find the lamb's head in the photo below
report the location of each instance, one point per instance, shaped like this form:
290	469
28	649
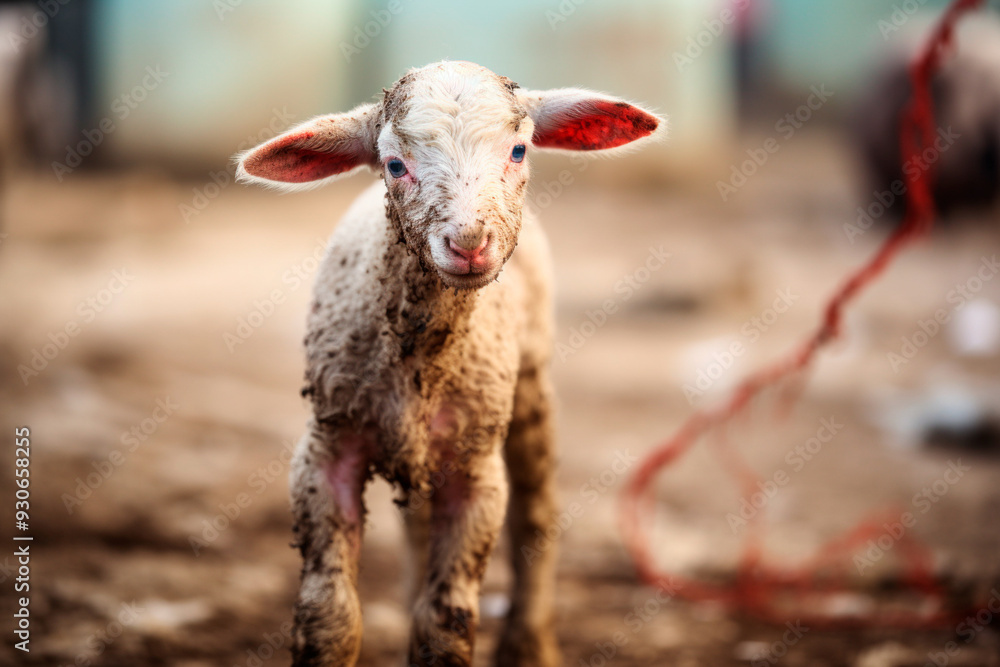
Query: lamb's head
451	141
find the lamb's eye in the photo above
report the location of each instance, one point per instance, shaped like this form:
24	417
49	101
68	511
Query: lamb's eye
517	154
396	167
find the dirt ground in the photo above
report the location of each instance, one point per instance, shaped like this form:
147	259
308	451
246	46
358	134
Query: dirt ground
160	427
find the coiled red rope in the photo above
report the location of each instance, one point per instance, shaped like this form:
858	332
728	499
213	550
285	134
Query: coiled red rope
808	592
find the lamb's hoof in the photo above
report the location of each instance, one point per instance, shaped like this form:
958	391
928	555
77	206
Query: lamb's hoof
528	649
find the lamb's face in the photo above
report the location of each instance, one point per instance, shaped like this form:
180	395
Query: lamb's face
450	141
452	148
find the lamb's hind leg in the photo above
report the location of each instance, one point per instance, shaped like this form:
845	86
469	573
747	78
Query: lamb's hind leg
329	472
467	516
528	638
417	521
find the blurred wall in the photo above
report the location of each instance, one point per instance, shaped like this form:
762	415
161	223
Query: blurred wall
235	71
230	64
835	42
226	70
624	48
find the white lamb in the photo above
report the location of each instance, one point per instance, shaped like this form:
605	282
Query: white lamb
426	365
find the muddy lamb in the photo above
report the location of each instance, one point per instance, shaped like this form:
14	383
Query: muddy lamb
428	346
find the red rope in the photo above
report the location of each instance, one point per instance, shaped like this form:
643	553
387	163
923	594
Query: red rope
777	594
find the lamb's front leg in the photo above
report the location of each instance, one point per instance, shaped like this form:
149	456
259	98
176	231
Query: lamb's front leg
467	516
329	472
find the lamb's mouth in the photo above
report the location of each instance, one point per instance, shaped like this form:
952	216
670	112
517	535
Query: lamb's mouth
469	280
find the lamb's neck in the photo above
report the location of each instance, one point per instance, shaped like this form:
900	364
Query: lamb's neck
423	301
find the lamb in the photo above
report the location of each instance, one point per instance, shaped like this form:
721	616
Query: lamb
425	364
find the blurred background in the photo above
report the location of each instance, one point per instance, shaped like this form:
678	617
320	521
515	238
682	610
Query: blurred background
152	314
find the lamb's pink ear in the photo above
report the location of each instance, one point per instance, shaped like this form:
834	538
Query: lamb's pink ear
581	120
318	150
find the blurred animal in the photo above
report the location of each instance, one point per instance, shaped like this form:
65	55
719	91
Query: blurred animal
965	157
426	365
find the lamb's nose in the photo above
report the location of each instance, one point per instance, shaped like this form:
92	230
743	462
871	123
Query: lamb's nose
470	254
